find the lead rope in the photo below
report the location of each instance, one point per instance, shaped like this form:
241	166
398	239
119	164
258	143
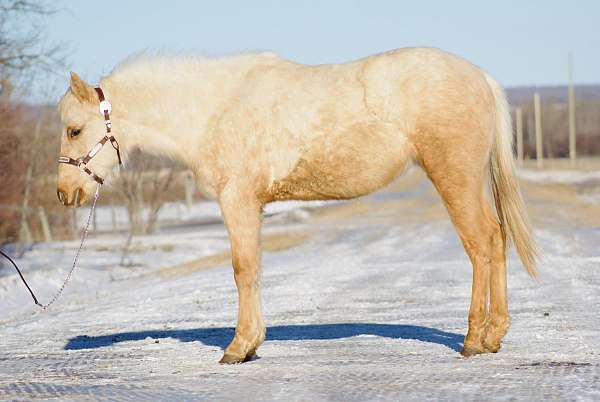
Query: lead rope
81	163
68	278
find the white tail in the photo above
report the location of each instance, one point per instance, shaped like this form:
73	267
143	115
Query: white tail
510	207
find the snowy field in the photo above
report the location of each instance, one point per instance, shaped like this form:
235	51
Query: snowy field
364	300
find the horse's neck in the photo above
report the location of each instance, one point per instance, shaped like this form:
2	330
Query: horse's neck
168	112
152	120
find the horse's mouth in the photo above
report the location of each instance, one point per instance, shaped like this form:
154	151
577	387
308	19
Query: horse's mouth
76	200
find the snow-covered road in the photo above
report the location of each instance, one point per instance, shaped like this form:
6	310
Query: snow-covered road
364	300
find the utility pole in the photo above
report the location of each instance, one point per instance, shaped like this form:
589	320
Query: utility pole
519	121
572	131
539	150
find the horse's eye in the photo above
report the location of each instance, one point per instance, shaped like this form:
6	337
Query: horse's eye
74	132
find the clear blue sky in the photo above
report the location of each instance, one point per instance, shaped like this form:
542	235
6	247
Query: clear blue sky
519	42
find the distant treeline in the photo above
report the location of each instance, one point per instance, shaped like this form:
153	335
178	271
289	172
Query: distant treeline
555	119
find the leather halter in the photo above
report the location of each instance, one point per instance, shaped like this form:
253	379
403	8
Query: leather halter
81	163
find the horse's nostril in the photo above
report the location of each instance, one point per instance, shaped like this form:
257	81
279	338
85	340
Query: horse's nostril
77	200
62	196
79	197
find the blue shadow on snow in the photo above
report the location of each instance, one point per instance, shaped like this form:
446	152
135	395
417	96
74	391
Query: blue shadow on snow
220	337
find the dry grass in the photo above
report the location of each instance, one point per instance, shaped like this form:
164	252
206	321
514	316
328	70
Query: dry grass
272	243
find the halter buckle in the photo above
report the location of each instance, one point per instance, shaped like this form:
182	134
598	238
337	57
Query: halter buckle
81	165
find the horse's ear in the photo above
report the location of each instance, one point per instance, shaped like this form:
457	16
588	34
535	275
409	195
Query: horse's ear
81	90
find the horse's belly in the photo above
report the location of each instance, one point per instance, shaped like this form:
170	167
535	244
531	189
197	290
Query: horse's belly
355	162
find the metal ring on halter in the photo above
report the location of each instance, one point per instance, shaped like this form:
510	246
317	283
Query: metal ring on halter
105	107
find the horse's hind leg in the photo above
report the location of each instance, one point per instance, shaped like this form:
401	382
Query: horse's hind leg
498	319
462	185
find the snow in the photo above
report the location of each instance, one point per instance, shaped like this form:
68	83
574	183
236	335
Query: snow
559	176
371	304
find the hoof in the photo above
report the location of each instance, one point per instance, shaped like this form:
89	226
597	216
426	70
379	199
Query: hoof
491	348
233	359
471	351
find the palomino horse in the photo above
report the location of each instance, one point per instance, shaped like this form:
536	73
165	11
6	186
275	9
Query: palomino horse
256	128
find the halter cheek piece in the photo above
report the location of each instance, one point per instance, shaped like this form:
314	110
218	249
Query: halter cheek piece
81	163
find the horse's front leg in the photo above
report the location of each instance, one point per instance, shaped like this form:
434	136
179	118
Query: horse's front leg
242	213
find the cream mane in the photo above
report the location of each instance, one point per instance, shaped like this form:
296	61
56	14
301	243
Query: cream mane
175	96
155	64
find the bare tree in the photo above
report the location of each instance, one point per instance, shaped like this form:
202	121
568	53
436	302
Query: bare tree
24	56
145	187
23	49
11	168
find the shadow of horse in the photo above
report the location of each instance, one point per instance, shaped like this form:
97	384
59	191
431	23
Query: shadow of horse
220	337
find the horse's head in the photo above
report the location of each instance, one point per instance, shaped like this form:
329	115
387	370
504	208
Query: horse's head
83	127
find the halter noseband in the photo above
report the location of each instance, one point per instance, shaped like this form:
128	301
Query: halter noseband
81	163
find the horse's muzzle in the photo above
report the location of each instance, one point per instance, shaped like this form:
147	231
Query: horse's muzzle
76	200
